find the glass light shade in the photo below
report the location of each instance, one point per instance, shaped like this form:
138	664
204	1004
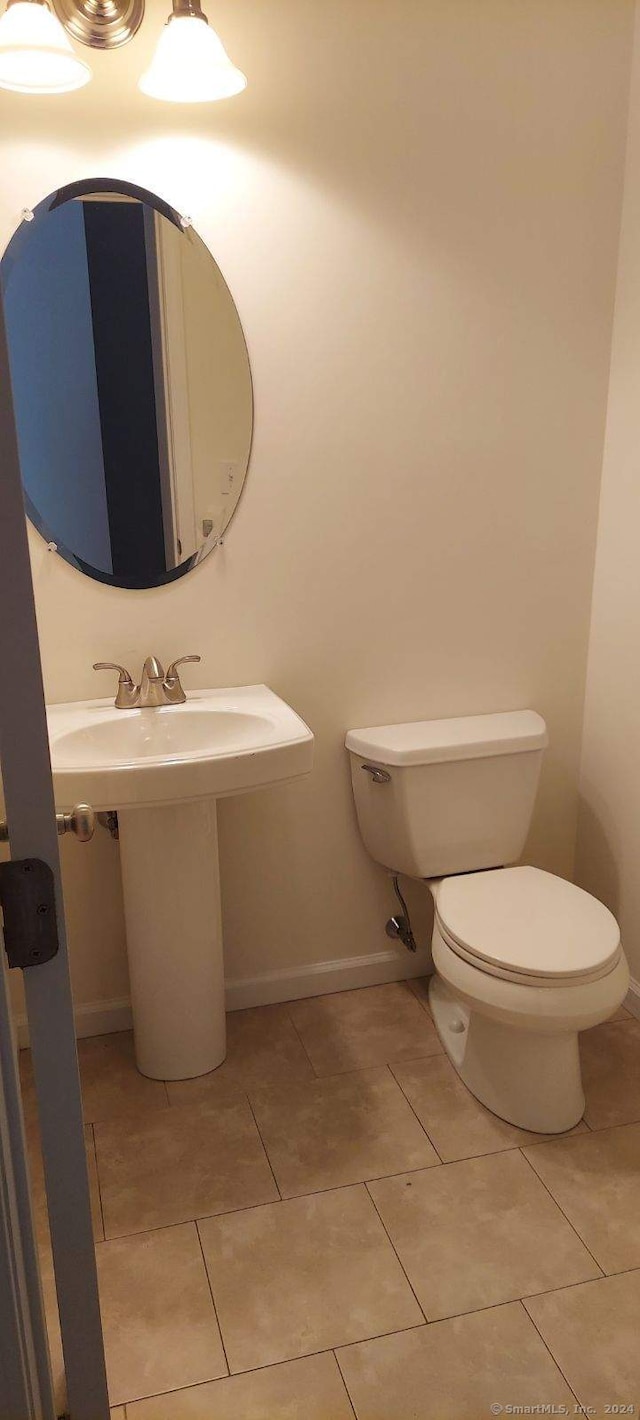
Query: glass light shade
36	56
191	64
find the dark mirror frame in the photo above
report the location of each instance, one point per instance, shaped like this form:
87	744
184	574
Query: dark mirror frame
11	255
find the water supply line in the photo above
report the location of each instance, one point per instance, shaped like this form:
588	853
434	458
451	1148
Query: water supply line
399	927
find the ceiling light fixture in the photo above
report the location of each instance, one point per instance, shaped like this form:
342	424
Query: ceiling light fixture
190	63
36	57
102	24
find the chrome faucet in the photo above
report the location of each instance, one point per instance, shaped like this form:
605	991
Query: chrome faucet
156	687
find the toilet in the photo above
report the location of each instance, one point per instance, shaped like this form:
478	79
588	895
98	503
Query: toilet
523	959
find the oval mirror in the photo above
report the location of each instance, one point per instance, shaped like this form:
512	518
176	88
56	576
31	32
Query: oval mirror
131	383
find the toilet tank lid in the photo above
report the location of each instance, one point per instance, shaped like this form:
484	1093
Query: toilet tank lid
465	737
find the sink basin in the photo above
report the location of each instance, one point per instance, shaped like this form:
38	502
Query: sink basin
219	742
163	769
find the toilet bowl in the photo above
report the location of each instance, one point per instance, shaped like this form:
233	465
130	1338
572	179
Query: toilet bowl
524	960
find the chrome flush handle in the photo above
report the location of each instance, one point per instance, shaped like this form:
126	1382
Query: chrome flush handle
378	775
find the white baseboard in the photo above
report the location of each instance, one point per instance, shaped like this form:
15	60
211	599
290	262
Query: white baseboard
290	984
345	974
632	999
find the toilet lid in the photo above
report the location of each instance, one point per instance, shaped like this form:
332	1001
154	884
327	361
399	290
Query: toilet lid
529	922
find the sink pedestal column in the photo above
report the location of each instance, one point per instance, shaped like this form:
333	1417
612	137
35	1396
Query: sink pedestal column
171	882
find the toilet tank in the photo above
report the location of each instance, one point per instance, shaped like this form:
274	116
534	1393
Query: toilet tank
437	797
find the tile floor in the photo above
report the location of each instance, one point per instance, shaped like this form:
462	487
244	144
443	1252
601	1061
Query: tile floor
331	1227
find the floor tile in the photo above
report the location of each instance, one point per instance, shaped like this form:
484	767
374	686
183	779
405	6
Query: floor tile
456	1122
477	1233
304	1275
172	1165
454	1370
595	1179
339	1130
111	1082
352	1030
262	1048
610	1057
118	1414
309	1389
592	1331
160	1329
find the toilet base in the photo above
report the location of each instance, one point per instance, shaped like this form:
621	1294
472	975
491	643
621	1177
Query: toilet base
530	1079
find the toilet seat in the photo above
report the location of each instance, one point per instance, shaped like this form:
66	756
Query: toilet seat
527	926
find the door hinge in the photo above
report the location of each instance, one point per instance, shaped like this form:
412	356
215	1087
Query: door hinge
28	902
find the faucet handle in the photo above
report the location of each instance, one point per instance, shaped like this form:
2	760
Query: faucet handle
125	678
126	688
172	672
173	690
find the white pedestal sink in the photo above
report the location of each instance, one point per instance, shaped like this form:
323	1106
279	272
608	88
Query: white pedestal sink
163	769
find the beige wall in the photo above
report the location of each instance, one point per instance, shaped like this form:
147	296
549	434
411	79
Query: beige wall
609	824
416	206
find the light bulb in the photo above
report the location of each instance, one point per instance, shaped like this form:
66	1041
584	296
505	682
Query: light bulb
190	64
36	56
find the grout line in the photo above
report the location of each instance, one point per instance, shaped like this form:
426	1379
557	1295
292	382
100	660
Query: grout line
506	1302
565	1216
548	1349
264	1149
358	1069
287	1004
142	1232
252	1208
95	1159
388	1235
355	1183
411	1107
213	1300
204	1217
252	1370
131	1117
344	1380
272	1365
206	1104
602	1128
334	1188
619	1272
